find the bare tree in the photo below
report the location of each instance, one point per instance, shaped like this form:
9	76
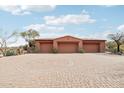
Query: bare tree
6	39
118	38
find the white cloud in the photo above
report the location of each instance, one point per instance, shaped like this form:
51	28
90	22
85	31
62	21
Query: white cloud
121	28
52	35
44	27
26	9
69	19
35	26
106	33
99	35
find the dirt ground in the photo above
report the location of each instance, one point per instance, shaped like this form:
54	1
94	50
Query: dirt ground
86	70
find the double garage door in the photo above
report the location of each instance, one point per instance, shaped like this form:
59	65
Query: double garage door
67	47
91	47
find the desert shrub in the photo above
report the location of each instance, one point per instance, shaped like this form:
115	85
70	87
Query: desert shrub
25	47
10	53
111	44
122	48
111	47
31	43
81	50
32	49
113	50
54	50
19	51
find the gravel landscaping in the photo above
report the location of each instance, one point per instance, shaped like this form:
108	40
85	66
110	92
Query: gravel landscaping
88	70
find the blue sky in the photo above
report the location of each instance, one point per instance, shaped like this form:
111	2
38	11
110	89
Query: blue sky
53	21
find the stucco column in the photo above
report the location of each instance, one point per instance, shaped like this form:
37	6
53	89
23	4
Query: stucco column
55	44
80	45
102	46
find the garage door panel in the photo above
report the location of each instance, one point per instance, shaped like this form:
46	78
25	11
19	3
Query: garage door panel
68	47
91	48
46	47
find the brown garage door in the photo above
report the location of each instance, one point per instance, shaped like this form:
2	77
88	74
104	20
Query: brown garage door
46	47
67	47
91	47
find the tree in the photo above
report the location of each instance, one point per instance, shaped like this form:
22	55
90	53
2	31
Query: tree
5	40
118	38
29	35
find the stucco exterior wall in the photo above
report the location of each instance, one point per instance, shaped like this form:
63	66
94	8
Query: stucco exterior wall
80	43
37	45
102	46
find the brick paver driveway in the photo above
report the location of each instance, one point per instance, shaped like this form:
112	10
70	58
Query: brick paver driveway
62	70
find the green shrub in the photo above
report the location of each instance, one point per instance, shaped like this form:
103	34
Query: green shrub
112	47
81	50
122	48
54	50
113	50
33	49
25	47
10	53
31	43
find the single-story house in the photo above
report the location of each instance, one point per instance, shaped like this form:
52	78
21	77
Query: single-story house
70	44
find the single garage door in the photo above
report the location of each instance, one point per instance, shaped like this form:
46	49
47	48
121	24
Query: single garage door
67	47
46	47
91	47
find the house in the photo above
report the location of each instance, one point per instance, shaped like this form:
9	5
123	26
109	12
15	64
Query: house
70	44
